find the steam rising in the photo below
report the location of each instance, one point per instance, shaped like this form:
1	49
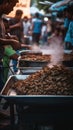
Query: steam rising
57	53
55	49
36	48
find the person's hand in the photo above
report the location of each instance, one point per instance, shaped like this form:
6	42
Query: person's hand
26	46
17	25
15	44
14	37
9	36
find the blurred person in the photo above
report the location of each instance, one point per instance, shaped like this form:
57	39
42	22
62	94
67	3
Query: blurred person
36	29
26	29
16	25
69	34
49	27
8	45
26	25
67	19
7	29
9	52
5	7
30	30
44	33
16	28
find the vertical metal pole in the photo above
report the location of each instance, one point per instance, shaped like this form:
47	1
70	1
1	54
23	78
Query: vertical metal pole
12	118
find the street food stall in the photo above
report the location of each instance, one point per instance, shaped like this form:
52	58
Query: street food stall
43	98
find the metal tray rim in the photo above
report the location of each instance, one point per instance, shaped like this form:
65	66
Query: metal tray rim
12	76
41	96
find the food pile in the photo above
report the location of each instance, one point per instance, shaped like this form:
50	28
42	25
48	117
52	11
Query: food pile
34	60
36	57
57	80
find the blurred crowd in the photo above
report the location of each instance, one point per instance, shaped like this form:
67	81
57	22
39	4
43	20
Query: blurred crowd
20	33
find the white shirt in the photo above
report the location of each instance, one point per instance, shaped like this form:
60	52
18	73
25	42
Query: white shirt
26	26
43	30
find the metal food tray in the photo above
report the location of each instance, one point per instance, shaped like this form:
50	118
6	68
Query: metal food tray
32	99
68	63
26	63
29	70
8	86
68	51
30	52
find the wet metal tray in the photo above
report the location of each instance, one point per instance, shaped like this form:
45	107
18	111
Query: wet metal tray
29	52
9	94
25	63
33	60
68	59
29	70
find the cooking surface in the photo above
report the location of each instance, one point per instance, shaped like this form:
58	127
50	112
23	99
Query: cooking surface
34	60
57	80
10	94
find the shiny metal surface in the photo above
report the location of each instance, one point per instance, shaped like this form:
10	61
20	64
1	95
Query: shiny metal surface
9	94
